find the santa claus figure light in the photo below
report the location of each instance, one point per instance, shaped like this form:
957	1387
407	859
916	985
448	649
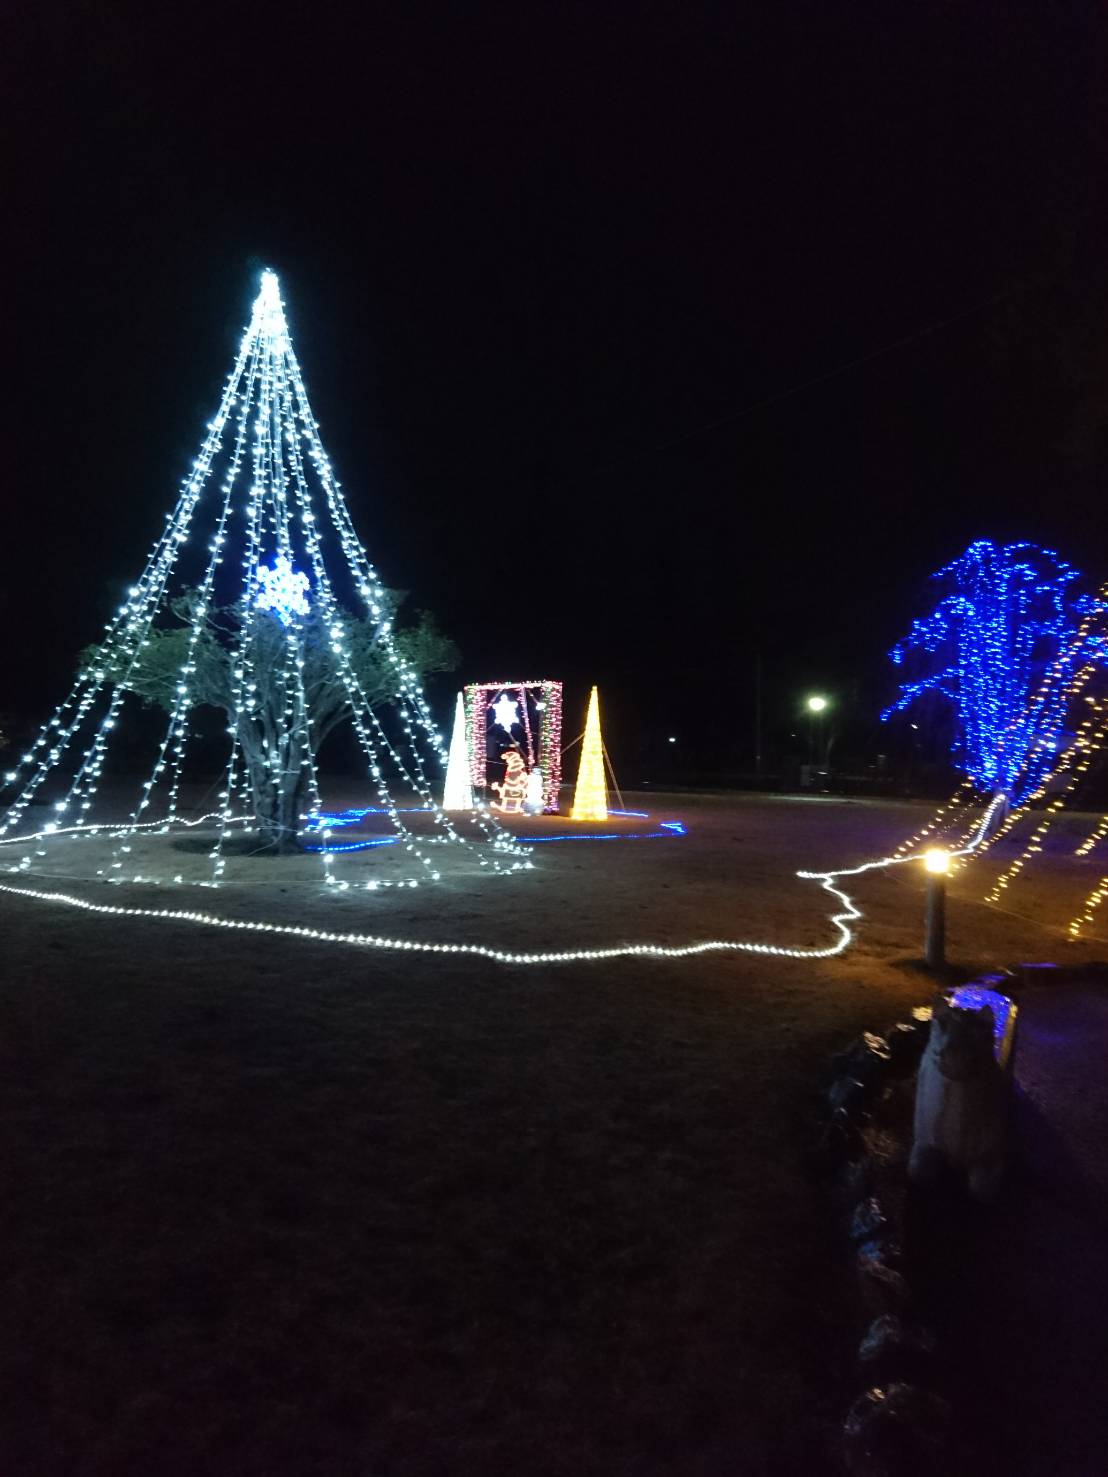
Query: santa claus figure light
513	787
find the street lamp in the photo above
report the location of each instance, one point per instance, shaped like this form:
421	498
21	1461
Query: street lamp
817	706
936	863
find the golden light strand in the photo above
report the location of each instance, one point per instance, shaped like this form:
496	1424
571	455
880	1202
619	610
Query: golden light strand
1085	746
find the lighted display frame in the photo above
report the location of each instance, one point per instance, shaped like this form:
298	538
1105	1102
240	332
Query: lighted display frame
543	748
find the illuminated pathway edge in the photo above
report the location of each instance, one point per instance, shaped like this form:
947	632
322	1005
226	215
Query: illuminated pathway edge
826	880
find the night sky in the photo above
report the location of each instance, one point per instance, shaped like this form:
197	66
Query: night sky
644	338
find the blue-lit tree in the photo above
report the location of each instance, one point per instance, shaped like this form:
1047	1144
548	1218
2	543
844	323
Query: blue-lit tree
1002	647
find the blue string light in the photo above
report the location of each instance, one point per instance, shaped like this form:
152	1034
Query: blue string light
335	820
669	828
1002	647
338	819
357	845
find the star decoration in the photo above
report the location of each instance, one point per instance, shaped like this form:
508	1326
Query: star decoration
283	590
507	712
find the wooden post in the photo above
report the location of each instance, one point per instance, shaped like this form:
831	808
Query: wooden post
934	922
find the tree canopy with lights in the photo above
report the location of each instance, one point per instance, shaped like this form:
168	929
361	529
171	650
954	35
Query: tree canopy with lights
1002	648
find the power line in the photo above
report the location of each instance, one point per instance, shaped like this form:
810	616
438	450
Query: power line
820	379
817	379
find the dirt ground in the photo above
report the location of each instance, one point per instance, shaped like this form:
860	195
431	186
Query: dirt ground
277	1206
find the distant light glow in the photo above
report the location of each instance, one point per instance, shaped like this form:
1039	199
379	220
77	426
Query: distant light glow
816	704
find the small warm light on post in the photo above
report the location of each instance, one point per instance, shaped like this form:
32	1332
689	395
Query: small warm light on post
816	703
936	863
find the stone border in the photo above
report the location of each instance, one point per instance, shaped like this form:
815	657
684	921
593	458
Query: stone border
900	1426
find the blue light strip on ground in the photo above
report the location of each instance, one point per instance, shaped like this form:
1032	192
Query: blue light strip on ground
667	828
670	828
334	820
357	845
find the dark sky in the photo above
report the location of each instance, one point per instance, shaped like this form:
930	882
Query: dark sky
642	336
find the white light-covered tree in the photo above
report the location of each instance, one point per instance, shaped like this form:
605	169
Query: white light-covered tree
258	599
278	792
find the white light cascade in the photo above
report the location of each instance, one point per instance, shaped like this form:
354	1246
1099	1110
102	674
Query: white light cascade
458	791
277	544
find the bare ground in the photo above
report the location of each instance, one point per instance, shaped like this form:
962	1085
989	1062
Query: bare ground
275	1206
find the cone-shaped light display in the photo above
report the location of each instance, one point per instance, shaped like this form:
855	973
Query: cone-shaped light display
458	792
590	798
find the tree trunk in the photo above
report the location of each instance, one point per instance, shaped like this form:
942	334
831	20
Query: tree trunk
277	810
277	792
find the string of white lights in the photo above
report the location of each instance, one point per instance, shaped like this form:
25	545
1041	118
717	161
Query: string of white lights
113	827
841	921
366	723
962	796
243	685
124	635
1080	923
1073	764
372	592
1094	838
363	720
176	733
272	616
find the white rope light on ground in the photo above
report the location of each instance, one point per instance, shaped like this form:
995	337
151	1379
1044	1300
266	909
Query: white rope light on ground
841	921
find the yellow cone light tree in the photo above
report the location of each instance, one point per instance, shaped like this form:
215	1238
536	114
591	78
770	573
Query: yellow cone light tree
590	798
